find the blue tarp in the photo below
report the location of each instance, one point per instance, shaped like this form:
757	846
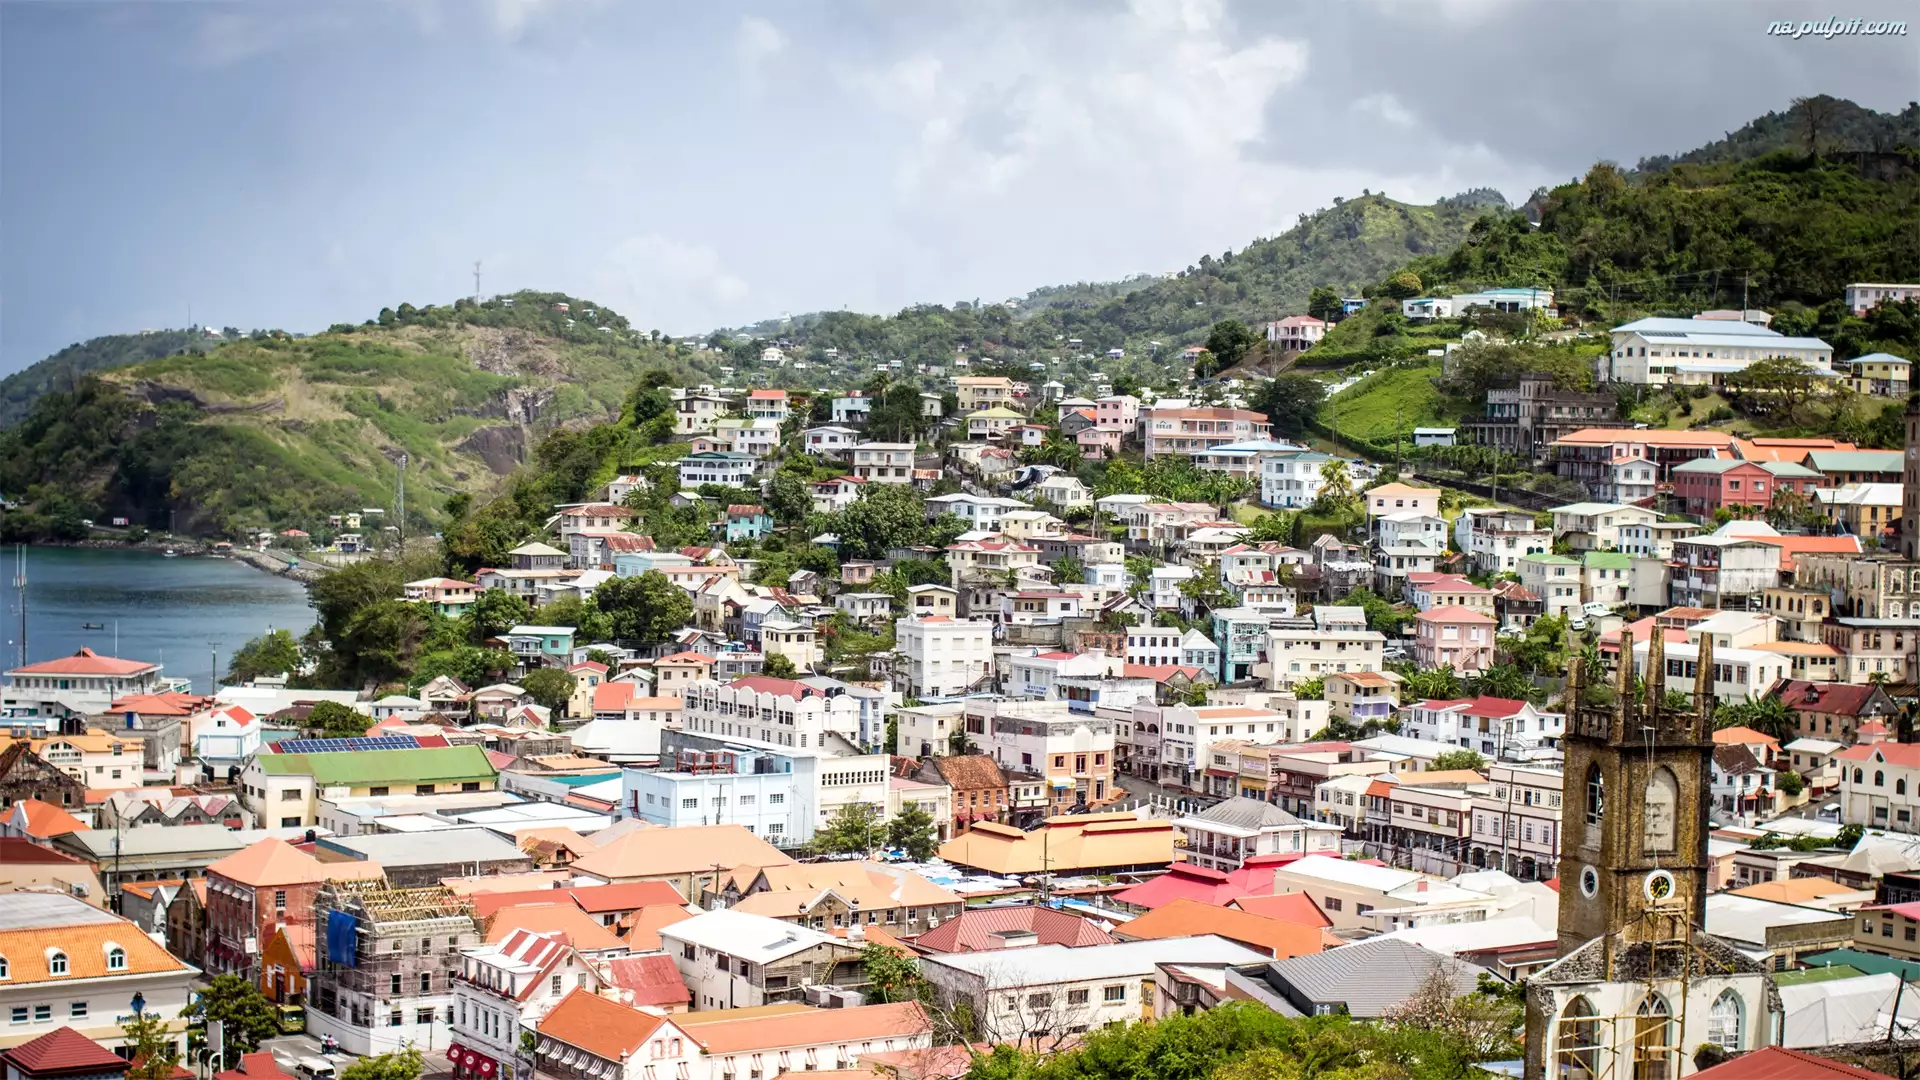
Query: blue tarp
342	928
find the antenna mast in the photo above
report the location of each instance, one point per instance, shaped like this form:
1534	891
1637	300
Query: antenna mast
476	281
20	583
400	499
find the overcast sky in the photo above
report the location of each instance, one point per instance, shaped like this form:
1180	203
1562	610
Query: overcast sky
702	164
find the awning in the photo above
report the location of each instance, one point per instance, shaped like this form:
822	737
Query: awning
453	1051
1061	782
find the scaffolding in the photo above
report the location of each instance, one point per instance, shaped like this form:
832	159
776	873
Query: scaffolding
407	944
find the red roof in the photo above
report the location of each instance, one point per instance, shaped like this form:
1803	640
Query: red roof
1905	755
1809	545
768	395
85	662
1490	707
1843	699
1779	1063
684	658
44	821
64	1050
1185	881
744	510
648	980
971	931
1454	613
1287	907
613	696
1157	672
767	684
259	1065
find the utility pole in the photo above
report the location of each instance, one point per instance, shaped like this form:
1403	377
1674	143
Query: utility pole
400	499
476	281
20	583
213	669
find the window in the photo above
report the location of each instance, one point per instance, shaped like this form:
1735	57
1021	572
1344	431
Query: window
77	1010
1114	993
1652	1039
1724	1021
393	982
423	1016
1596	801
116	959
376	791
19	1014
1330	903
426	982
56	963
1039	1001
290	822
1077	997
280	899
42	1013
1879	778
423	789
554	986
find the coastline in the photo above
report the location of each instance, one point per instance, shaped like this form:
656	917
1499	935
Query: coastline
276	563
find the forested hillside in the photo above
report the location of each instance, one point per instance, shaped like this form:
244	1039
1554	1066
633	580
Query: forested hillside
1830	125
279	432
64	369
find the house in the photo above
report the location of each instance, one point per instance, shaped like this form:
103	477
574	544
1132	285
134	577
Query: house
980	512
1495	727
695	412
540	646
1707	570
830	441
747	522
851	408
835	494
1183	430
776	712
884	463
725	468
1072	750
1065	491
284	789
449	596
838	895
866	607
1555	580
1523	420
1297	655
1362	697
1597	526
1066	844
1708	484
1880	375
986	928
1224	836
1834	710
1042	995
1742	785
1368	980
1868	510
1397	498
1861	299
980	789
766	405
1117	412
69	962
510	985
992	423
1693	352
733	960
1426	308
83	684
1880	785
976	392
1295	333
943	657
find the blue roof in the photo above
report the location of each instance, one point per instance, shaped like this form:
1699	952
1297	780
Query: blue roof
1880	358
1718	327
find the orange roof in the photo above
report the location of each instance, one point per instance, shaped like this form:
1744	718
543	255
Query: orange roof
171	703
642	928
270	863
563	917
1397	488
606	1029
85	945
1810	545
1731	736
811	1026
1293	907
1186	917
657	853
613	696
1794	890
44	821
86	662
1597	436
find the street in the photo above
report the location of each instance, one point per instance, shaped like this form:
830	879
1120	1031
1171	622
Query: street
288	1050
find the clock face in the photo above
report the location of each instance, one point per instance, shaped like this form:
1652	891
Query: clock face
1659	885
1590	882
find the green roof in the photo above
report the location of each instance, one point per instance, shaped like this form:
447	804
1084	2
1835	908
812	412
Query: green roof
360	768
1855	460
1548	560
1608	560
1817	974
998	412
1715	466
1864	961
1789	469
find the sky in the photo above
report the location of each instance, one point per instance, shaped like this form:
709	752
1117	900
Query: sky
696	165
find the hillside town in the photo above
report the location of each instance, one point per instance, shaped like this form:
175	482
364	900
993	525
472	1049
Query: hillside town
1009	759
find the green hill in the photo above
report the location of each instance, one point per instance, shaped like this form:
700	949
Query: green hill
1834	125
64	369
280	432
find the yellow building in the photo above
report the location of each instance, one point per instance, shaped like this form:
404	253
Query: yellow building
1881	374
1862	509
99	759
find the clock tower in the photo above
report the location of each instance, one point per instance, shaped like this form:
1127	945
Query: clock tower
1635	797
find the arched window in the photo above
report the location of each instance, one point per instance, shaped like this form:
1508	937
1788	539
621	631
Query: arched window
1725	1021
56	962
1879	778
5	972
1900	786
1576	1043
1653	1040
1596	795
1663	799
1859	777
116	958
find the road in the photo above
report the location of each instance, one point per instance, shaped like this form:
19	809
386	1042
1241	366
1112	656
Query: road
289	1049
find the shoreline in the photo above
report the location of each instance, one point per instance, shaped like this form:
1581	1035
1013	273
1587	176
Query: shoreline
303	571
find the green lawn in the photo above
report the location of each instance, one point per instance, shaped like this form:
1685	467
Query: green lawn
1397	399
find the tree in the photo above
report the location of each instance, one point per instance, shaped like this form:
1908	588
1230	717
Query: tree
550	687
272	653
1228	341
1458	759
855	830
332	720
1483	1025
1314	689
645	609
493	613
893	974
1768	715
1504	681
779	666
912	830
1336	488
580	612
240	1007
1278	527
1323	303
402	1064
1849	837
472	666
1790	783
1068	569
1292	401
1404	285
154	1048
884	517
788	497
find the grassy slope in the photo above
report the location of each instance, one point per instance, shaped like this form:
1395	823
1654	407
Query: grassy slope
64	369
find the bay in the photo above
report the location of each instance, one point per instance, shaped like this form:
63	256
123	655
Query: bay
186	613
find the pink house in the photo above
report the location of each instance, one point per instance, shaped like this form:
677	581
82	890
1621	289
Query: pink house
1296	333
1707	484
1453	637
1117	412
1096	442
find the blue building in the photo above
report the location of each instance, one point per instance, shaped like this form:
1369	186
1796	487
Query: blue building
746	521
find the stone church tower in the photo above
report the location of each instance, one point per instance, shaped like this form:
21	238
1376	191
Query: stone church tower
1640	985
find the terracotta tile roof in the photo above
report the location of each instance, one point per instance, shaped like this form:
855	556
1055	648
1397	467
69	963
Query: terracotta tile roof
259	1065
270	862
1779	1063
1840	699
1187	918
580	929
1185	881
64	1050
1905	755
84	935
606	1029
171	703
767	684
1791	546
1798	890
648	980
970	772
658	853
1293	907
85	662
972	930
806	1028
641	928
927	1063
1064	844
1728	736
870	885
1453	613
613	696
43	820
603	899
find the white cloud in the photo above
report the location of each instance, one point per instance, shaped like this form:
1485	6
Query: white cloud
1386	107
654	280
758	41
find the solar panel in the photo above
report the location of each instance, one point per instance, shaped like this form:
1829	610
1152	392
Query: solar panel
336	746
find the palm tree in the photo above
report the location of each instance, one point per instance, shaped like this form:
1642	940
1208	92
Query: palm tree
1336	487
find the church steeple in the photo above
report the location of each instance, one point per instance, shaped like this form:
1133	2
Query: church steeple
1635	796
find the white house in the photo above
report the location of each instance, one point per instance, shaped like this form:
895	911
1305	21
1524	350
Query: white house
1699	352
884	463
943	657
1487	725
1227	834
830	441
982	512
1291	480
778	712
